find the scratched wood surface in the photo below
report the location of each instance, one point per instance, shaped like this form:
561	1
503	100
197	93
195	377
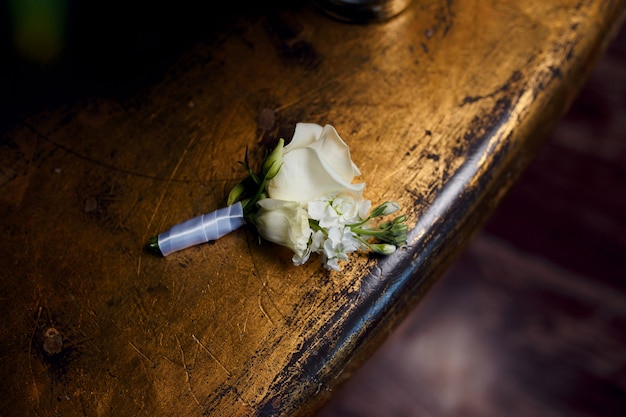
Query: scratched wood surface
443	106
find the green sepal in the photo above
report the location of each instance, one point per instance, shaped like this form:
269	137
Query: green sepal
236	193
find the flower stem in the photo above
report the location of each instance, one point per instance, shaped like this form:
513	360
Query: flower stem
153	245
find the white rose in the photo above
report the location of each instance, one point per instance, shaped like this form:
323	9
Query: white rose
285	223
315	163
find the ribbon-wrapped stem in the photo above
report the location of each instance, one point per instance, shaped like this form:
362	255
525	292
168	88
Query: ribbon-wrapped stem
241	206
200	229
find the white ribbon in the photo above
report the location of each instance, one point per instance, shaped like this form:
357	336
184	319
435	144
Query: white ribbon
201	229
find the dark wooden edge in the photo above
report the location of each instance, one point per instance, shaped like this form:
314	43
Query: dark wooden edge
460	209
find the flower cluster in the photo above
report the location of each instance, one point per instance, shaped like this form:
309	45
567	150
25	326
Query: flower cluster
304	198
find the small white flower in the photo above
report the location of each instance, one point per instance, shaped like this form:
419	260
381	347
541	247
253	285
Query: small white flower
315	243
317	240
340	242
364	207
332	264
337	209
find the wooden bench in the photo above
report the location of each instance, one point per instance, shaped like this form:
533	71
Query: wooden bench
442	106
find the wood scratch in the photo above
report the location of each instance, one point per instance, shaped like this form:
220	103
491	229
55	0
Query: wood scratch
165	188
211	355
141	311
30	357
240	398
263	308
140	352
170	360
263	288
95	161
312	93
242	330
187	374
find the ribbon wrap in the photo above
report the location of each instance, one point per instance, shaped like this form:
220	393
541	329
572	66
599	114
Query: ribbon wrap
201	229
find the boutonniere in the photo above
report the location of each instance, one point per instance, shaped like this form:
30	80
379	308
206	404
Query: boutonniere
303	197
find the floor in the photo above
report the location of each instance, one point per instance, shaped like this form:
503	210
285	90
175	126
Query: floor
531	319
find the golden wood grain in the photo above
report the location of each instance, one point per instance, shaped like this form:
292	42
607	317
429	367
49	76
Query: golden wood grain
442	106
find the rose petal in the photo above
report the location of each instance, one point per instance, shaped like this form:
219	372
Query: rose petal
307	176
304	135
336	153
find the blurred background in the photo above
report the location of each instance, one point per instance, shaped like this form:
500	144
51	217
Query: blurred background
531	319
55	52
